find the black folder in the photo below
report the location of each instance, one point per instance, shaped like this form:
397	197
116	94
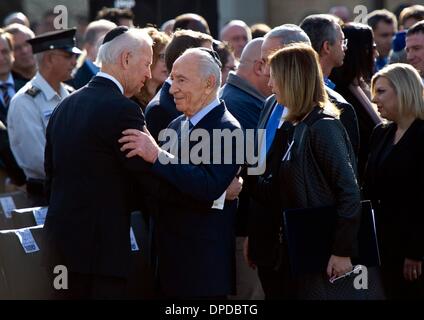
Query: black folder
309	237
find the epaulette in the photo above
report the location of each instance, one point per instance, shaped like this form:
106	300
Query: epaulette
68	88
33	91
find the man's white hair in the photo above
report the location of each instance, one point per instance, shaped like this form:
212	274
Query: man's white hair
131	40
207	65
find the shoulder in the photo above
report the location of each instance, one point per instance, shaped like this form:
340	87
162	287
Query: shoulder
228	90
335	96
230	121
174	123
25	95
327	127
382	128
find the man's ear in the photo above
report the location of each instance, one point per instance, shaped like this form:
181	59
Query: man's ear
325	49
124	59
257	67
210	84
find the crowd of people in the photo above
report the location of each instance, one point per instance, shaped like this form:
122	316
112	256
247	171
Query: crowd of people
342	107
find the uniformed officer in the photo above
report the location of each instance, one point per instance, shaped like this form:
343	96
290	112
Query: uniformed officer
31	107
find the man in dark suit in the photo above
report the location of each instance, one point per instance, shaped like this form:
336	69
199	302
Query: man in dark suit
195	239
327	39
244	94
89	180
162	110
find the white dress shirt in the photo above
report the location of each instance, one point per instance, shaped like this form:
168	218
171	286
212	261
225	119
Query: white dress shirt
27	121
111	78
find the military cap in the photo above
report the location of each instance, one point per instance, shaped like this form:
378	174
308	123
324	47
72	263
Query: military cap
61	39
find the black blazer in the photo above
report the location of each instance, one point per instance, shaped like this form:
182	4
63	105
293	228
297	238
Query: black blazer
321	172
347	118
395	184
90	180
7	159
161	111
365	125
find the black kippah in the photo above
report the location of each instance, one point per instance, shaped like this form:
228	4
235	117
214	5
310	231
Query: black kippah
214	56
112	34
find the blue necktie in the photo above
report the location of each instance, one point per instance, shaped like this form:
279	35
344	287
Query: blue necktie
329	83
4	87
272	125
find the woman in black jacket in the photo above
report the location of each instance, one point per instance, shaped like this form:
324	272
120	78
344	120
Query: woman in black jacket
352	80
313	168
394	179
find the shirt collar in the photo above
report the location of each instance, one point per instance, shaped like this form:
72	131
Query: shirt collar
168	81
47	90
111	78
204	111
9	80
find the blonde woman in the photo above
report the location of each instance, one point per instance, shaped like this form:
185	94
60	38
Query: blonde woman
394	179
314	167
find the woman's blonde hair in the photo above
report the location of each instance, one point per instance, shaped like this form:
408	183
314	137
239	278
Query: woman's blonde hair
407	83
297	73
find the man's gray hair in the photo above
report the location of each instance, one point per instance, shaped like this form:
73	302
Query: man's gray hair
320	28
288	33
207	65
131	40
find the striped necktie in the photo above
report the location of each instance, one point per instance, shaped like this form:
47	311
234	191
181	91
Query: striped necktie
5	93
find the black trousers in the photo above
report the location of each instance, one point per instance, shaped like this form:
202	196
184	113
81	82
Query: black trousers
92	287
277	284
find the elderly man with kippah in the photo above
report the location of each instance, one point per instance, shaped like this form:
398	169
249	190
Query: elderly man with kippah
90	181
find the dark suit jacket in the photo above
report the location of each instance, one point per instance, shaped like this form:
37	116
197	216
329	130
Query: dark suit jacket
245	103
195	244
263	223
347	118
7	159
90	180
365	125
20	81
161	111
395	184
